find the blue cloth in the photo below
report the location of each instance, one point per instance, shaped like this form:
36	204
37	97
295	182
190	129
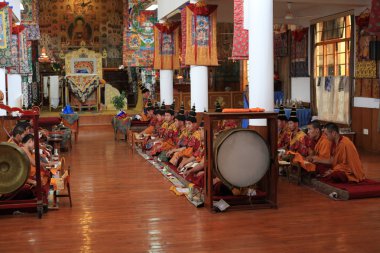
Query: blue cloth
67	110
278	96
303	115
245	122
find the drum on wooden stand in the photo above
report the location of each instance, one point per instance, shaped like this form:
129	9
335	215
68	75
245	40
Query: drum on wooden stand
241	157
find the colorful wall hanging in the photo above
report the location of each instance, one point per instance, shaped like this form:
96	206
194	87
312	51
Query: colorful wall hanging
65	24
299	62
200	35
138	47
280	44
365	69
240	40
30	19
167	46
5	36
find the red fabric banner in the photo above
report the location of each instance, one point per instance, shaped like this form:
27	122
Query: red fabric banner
240	40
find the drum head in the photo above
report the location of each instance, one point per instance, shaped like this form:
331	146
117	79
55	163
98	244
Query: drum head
14	168
241	157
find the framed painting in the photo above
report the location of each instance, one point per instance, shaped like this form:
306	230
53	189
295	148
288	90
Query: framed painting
83	66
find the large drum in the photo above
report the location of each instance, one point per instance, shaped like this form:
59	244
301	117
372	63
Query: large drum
14	168
241	156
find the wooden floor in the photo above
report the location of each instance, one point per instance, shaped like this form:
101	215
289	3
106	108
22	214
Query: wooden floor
122	204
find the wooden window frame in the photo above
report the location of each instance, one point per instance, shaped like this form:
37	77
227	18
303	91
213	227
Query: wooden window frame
335	53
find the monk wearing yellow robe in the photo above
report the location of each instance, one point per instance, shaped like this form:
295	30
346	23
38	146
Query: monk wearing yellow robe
298	139
345	161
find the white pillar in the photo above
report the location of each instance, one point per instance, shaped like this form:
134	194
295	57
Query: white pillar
199	87
260	72
166	86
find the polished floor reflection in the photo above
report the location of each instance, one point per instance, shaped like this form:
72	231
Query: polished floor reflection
122	204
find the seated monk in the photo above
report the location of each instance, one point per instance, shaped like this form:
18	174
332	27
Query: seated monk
298	140
178	136
148	112
28	147
283	130
193	142
198	153
154	121
18	133
345	161
166	131
319	148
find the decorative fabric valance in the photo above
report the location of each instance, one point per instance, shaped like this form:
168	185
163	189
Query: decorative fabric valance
82	85
167	46
240	41
200	35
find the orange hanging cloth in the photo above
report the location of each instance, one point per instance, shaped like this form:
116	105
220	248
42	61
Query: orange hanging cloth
201	47
167	46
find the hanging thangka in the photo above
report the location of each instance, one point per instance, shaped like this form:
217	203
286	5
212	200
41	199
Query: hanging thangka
5	36
280	44
240	41
139	39
200	35
167	46
30	17
299	63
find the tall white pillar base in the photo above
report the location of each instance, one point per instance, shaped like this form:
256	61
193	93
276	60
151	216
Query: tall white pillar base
166	86
199	87
260	72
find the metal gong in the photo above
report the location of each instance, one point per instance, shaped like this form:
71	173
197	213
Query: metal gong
241	157
14	168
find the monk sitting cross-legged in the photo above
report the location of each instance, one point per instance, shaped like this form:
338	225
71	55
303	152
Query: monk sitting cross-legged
345	161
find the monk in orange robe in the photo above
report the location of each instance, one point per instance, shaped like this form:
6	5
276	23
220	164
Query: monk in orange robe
283	130
18	132
193	139
298	139
345	161
319	148
28	147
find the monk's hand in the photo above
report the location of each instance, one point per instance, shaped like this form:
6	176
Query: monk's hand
181	165
309	159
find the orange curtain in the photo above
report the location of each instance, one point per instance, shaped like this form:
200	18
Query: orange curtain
167	46
201	47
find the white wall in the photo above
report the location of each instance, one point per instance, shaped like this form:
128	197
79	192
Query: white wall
300	89
14	90
367	102
16	8
2	88
167	6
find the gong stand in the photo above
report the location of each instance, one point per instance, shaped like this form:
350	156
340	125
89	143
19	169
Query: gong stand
268	182
26	115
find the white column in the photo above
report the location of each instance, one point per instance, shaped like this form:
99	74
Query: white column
260	72
199	87
166	86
